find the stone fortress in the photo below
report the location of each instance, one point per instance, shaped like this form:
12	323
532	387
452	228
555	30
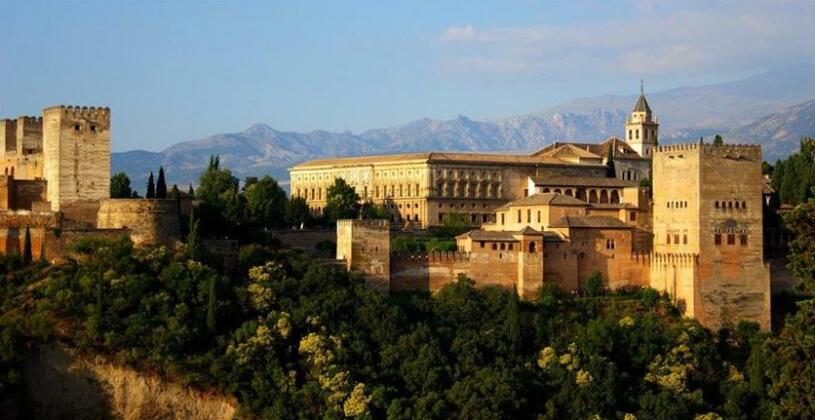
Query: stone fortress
558	215
56	186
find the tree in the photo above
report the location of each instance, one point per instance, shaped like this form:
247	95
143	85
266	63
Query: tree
27	254
151	187
718	140
214	184
120	186
611	171
161	184
370	210
454	224
212	301
801	254
265	201
594	283
513	321
176	196
297	212
191	191
194	247
342	201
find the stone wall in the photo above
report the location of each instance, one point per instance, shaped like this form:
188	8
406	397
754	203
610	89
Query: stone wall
27	192
364	245
150	221
434	270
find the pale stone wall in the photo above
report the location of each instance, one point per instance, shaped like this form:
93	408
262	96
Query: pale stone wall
704	194
364	245
76	145
150	221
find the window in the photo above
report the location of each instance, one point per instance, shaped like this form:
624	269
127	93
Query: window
532	247
668	238
717	239
744	205
743	239
510	247
482	244
519	215
502	218
93	128
684	239
441	217
539	216
633	216
528	216
676	238
717	204
503	247
494	246
731	239
76	127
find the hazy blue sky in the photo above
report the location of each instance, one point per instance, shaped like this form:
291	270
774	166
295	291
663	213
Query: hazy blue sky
183	70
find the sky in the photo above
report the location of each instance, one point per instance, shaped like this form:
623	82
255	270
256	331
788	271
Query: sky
179	71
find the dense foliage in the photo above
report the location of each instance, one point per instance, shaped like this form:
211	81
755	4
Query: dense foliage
292	338
794	178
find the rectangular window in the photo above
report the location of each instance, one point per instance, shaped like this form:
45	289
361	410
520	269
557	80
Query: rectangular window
502	218
633	216
494	246
539	216
685	239
441	217
528	216
503	246
676	238
668	238
510	247
731	239
482	244
742	239
519	215
717	239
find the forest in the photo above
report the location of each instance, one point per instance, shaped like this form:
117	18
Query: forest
292	336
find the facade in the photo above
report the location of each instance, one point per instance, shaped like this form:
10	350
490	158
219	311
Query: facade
698	236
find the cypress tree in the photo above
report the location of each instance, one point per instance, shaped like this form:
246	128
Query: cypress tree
213	300
611	171
513	321
151	187
176	196
161	185
191	191
194	239
718	140
27	255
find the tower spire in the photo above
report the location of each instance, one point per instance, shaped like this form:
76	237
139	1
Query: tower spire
642	90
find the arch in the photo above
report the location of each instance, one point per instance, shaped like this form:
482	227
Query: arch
615	197
569	193
546	190
581	194
557	190
603	196
593	196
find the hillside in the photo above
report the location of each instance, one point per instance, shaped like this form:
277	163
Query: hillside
768	109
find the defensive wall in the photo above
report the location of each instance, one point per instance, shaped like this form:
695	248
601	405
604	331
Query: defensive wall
150	221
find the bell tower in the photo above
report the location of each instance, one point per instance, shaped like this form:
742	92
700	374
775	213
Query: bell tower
641	129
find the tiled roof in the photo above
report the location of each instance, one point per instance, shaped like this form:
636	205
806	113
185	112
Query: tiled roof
551	199
581	181
642	105
623	150
508	236
590	222
569	148
485	158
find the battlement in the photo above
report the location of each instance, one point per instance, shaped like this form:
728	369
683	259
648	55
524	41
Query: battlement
29	120
751	151
675	258
78	111
433	256
379	224
641	257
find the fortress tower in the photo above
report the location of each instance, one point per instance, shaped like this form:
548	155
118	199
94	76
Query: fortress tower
641	129
76	146
708	233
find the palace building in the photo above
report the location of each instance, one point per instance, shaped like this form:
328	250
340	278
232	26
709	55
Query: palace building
561	215
420	189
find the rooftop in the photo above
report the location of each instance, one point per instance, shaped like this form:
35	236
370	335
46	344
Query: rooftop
582	181
544	199
590	222
435	157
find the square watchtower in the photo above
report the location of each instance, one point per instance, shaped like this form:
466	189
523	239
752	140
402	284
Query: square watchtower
708	233
76	148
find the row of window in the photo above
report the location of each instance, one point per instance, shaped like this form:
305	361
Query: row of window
463	205
474	217
738	205
676	238
677	204
604	197
635	134
451	173
473	190
532	247
731	239
78	127
387	191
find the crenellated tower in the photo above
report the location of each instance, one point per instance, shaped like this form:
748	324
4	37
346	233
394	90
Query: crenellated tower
76	146
641	128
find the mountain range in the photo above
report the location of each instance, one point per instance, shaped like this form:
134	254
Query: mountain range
773	109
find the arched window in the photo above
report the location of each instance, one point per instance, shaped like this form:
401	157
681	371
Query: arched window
531	247
615	197
629	135
593	196
604	196
743	205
